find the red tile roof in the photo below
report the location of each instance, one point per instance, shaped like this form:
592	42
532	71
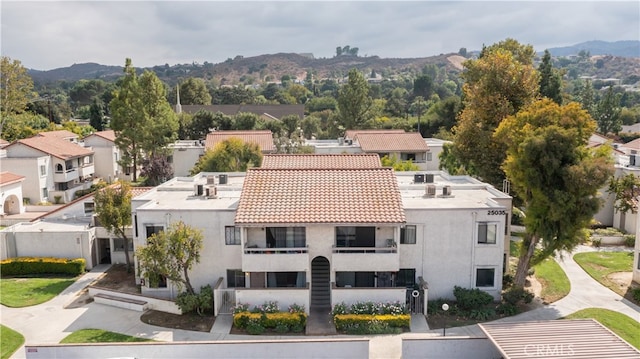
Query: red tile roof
321	161
9	178
61	134
352	133
54	146
391	142
263	138
295	196
107	135
633	145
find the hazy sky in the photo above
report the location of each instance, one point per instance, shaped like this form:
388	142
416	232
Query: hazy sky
52	34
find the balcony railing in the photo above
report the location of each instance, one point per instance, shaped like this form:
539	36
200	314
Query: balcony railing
290	259
65	176
87	170
365	259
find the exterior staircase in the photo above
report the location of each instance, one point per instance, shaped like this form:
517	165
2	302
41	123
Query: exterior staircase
320	290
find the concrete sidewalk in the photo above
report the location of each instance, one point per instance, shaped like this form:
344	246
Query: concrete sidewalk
49	323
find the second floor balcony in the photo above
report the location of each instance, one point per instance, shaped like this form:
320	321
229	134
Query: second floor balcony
275	259
385	258
65	174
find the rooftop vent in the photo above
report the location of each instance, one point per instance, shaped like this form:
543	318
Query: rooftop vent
446	191
211	180
211	192
198	190
418	178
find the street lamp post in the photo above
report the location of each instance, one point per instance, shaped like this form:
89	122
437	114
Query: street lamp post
445	307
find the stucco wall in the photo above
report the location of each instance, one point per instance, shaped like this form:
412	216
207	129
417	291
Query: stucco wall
12	193
449	347
184	159
30	169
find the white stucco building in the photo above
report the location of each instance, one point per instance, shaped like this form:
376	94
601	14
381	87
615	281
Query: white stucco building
106	155
11	193
53	167
323	229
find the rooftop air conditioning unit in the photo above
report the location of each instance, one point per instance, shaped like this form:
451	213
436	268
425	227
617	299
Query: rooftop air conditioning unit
211	192
418	178
198	190
430	190
446	191
223	179
211	180
428	178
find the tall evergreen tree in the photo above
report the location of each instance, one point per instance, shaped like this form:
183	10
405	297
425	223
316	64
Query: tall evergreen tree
96	115
550	79
354	102
607	113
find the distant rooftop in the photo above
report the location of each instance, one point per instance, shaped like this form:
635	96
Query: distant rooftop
321	161
262	138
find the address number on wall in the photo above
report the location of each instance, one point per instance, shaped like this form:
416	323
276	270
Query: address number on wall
495	212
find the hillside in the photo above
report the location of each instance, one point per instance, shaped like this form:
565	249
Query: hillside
617	48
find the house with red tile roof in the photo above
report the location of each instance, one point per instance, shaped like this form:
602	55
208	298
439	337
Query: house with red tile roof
318	230
263	138
53	167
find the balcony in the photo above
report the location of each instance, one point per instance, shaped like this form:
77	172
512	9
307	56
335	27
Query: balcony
86	170
67	175
364	259
282	259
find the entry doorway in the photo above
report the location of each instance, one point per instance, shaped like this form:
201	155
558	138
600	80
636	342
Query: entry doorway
104	250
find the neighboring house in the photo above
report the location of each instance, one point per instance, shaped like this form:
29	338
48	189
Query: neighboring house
631	128
53	168
71	231
61	135
263	138
318	230
106	155
435	146
267	112
393	143
184	155
11	193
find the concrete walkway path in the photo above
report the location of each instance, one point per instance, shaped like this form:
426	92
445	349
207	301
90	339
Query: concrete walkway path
49	322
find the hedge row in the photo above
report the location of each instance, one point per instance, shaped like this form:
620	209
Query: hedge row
344	322
270	320
41	265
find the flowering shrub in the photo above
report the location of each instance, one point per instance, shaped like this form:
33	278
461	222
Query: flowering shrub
371	318
267	307
276	321
296	308
240	307
393	308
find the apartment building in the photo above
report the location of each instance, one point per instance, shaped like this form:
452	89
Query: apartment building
323	229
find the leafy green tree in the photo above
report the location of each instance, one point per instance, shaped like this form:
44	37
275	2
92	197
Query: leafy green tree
291	124
423	86
232	155
354	102
113	208
194	91
608	113
418	107
397	102
626	189
586	96
84	92
398	165
498	84
318	104
554	174
160	119
16	89
232	95
550	79
245	121
171	254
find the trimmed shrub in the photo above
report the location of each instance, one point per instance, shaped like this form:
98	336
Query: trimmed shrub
514	295
371	323
41	265
636	294
270	320
629	240
199	303
470	299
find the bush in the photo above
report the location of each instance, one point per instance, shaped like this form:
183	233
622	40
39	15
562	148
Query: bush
254	327
507	309
636	294
199	303
277	321
42	265
596	242
481	314
470	299
371	323
629	240
507	280
395	308
514	295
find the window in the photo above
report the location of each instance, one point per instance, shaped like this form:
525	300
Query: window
487	233
429	156
59	168
151	230
408	235
235	278
286	237
89	207
485	277
62	186
118	245
45	193
355	236
356	279
286	279
408	157
231	235
43	170
406	278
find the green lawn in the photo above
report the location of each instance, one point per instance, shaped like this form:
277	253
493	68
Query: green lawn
555	284
24	292
10	341
100	336
601	264
625	327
